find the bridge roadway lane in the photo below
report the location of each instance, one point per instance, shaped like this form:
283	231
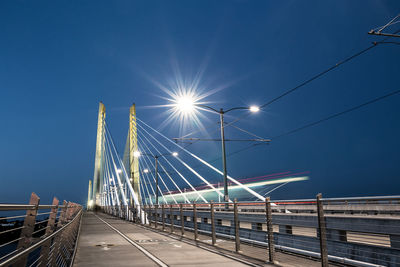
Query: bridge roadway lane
100	245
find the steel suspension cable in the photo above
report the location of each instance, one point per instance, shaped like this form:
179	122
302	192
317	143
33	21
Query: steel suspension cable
162	180
205	163
180	175
157	187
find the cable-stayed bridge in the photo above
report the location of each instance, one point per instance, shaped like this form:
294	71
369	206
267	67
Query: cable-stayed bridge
151	206
154	170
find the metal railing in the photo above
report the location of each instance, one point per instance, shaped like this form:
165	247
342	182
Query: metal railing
361	231
44	236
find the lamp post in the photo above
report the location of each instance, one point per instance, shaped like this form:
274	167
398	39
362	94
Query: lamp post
221	113
155	157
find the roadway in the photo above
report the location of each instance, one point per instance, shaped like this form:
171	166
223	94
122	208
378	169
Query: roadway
108	241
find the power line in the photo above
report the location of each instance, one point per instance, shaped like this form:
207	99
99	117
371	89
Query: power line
348	59
325	119
338	114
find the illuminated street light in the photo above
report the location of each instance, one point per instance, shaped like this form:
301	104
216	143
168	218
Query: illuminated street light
155	157
119	170
136	154
185	104
188	105
254	109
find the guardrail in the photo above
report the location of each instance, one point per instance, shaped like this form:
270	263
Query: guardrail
44	236
361	231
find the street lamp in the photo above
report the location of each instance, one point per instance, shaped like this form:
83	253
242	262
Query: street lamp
155	157
185	106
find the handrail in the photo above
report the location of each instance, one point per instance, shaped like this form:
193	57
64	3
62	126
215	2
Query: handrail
294	201
11	207
38	244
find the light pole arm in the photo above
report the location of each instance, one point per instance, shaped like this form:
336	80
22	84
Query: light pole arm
226	111
207	107
149	155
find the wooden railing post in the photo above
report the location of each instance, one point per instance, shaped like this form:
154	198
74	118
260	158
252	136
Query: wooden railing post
29	226
195	221
236	222
44	252
270	230
59	238
213	236
322	232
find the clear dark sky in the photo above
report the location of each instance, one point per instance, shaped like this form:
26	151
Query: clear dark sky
58	59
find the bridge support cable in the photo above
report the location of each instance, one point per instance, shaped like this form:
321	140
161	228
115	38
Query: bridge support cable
185	164
180	175
113	185
157	187
172	180
143	196
146	180
159	175
133	194
121	190
137	140
109	183
205	163
106	182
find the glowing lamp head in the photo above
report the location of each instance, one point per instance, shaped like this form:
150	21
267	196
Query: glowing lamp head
119	171
146	170
175	154
136	154
185	104
254	109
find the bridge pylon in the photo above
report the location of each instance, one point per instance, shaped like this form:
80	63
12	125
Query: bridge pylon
97	181
133	146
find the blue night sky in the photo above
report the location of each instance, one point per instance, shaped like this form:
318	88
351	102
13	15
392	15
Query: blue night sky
58	59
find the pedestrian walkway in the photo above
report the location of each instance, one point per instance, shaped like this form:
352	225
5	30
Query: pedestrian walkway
108	241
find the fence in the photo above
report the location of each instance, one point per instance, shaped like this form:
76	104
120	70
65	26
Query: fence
351	231
44	236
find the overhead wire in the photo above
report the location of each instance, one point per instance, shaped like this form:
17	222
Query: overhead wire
204	162
180	175
157	187
315	77
310	80
159	175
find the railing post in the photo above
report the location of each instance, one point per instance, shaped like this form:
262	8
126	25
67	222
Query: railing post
171	218
195	220
155	215
140	213
182	221
59	237
44	252
29	226
236	222
270	230
322	231
150	215
213	237
163	216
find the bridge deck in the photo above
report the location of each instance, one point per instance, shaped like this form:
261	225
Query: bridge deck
100	244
